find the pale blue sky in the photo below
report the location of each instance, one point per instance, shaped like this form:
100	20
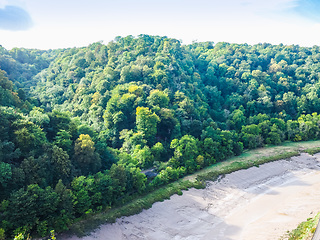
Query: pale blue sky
48	24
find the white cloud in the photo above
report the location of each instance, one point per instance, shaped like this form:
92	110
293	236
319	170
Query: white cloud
3	3
14	18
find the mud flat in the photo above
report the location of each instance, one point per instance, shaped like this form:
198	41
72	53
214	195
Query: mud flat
257	203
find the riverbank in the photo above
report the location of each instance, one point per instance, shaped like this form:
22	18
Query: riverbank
257	203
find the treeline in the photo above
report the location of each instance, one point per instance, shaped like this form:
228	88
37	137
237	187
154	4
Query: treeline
21	64
97	120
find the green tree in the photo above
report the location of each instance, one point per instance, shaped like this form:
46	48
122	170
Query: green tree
28	136
137	179
251	137
61	164
238	119
158	151
274	135
131	140
5	83
31	207
80	188
85	156
38	116
119	180
147	123
58	121
65	207
143	156
185	152
158	98
104	186
5	174
63	140
293	130
31	171
210	150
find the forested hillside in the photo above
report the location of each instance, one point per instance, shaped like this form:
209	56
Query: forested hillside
78	126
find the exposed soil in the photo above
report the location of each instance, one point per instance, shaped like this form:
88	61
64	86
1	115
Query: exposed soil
257	203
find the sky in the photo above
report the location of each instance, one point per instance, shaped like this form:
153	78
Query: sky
51	24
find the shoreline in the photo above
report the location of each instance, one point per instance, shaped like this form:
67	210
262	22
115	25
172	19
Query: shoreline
246	204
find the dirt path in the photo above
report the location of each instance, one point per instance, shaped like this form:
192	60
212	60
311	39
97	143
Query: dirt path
257	203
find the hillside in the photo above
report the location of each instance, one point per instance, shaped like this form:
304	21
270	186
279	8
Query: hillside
77	126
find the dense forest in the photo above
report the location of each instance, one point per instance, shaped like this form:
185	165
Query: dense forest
81	129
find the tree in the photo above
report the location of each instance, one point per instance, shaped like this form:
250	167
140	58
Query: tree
250	136
5	174
28	136
158	98
186	152
104	186
85	157
58	121
137	179
65	207
31	207
238	119
61	163
38	116
143	156
274	135
210	150
63	140
82	202
5	83
24	139
119	180
293	130
169	126
8	152
158	152
147	123
131	140
32	171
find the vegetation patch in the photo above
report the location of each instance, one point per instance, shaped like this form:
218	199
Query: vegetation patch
235	166
197	180
79	126
312	151
304	231
134	207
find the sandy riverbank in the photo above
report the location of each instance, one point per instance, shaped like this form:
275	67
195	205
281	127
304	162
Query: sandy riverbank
257	203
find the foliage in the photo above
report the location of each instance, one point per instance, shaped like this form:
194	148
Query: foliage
305	230
80	128
312	151
234	166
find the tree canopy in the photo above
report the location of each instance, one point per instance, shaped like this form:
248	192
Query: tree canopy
79	127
